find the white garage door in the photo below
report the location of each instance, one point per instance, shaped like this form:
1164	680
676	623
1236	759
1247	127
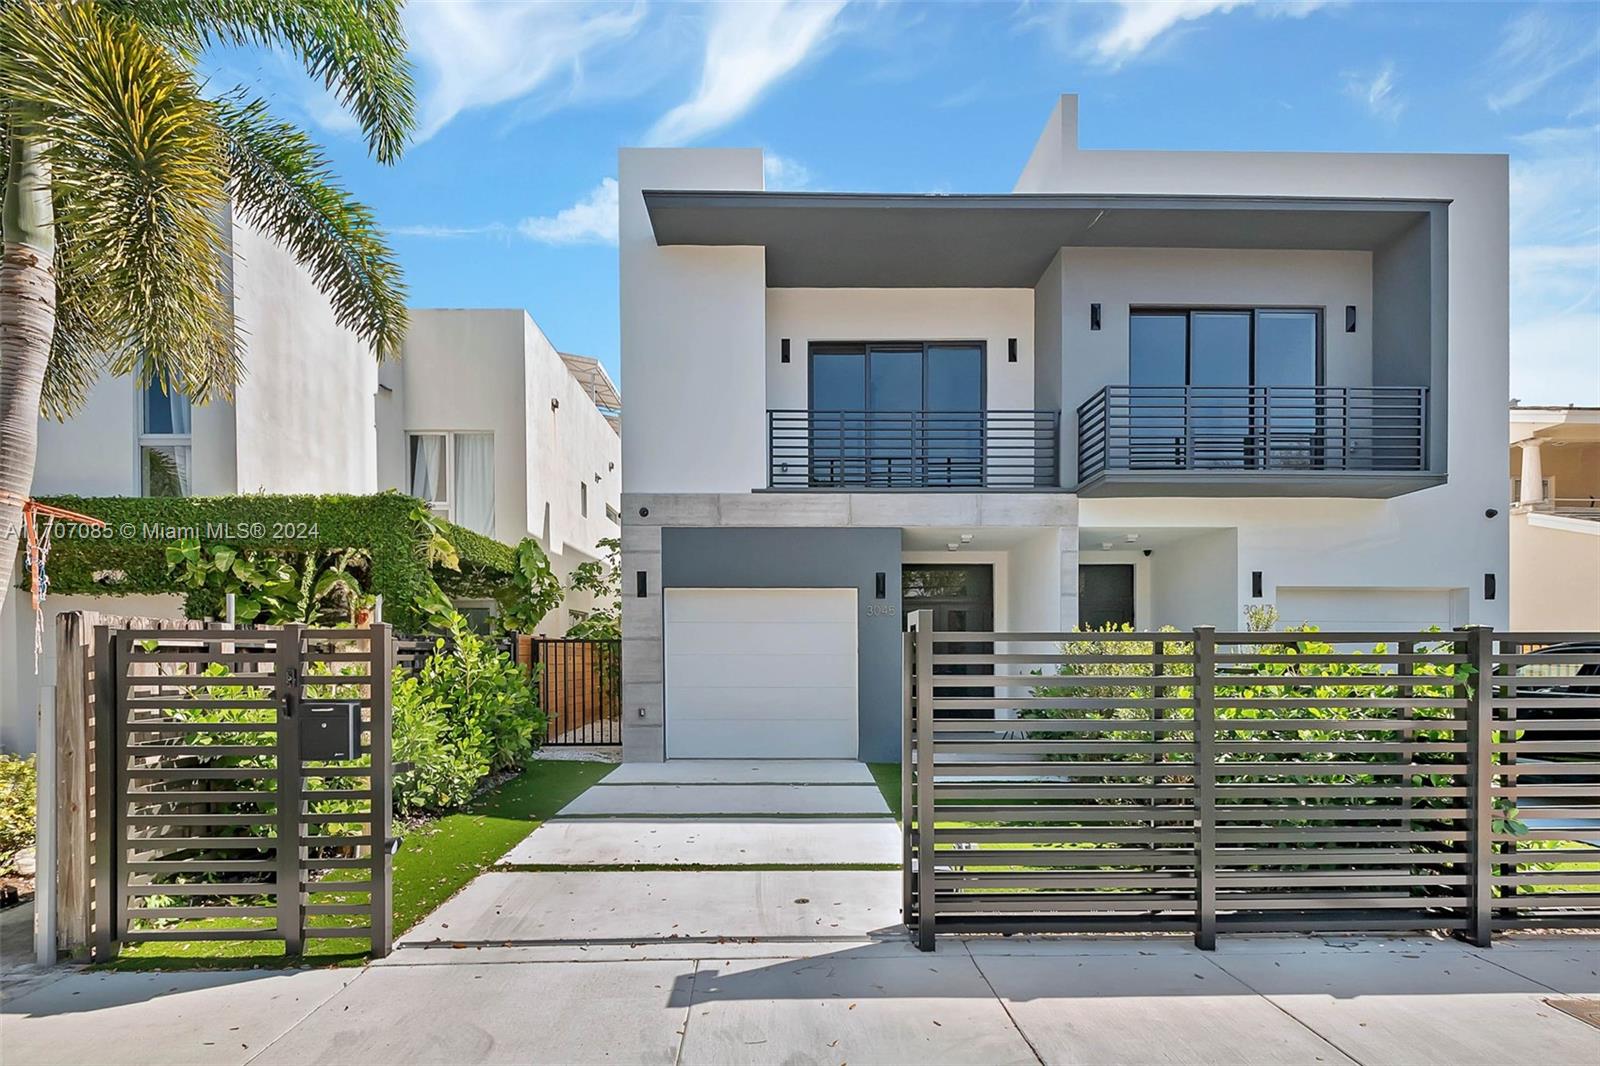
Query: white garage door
1367	608
761	673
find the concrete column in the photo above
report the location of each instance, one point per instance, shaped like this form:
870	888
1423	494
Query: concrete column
1532	473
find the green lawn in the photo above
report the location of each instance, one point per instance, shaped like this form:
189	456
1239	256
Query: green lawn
887	776
434	863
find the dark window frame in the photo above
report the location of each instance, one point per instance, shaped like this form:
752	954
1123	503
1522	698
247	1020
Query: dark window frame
865	349
1188	311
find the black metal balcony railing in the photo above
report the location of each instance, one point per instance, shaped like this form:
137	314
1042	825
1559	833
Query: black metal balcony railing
1287	429
913	449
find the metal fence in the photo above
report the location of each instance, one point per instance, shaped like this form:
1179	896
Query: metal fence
1250	782
241	785
913	449
1268	428
580	689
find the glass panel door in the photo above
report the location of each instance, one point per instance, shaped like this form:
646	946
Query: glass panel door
954	432
1219	368
1286	363
894	396
1158	355
838	403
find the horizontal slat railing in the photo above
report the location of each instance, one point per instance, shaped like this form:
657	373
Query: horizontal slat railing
1286	429
1250	782
913	449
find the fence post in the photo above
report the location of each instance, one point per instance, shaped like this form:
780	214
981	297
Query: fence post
907	679
923	621
1205	787
1479	691
291	909
382	783
107	849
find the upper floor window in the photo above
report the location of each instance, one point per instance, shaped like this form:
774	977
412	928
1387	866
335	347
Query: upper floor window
583	498
166	441
897	377
453	473
1225	347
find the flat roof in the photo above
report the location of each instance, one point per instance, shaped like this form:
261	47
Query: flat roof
865	240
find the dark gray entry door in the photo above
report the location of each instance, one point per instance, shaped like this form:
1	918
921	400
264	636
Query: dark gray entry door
961	598
1105	595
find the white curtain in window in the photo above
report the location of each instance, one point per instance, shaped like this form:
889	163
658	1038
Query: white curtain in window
182	456
178	404
474	473
427	468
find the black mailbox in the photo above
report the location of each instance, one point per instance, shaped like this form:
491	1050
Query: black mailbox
330	730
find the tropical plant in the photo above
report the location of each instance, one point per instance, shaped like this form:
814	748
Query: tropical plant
533	591
468	712
273	588
603	581
18	786
118	164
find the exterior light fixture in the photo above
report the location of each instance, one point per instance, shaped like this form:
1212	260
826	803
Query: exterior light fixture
881	584
966	538
555	404
1349	318
783	349
1255	584
1011	350
1131	538
952	546
1094	316
1488	586
1106	545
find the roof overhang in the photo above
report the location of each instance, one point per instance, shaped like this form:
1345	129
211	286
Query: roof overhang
851	240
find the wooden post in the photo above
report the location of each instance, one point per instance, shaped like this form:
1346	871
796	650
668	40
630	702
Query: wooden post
107	784
926	911
44	805
1205	792
74	631
381	782
908	648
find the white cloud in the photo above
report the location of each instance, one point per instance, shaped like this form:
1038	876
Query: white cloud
1555	266
592	220
1136	25
1376	91
748	48
1536	50
782	173
477	53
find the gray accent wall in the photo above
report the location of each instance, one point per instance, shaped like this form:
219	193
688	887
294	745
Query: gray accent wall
812	558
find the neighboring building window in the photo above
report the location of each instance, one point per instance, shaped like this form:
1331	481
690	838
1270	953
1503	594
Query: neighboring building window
165	442
583	498
453	473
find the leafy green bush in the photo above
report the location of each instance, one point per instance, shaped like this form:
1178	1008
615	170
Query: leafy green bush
19	779
533	591
467	713
603	581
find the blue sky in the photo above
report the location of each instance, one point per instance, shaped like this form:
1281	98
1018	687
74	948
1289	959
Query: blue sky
508	197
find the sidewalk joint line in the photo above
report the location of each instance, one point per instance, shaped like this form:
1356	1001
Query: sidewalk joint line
1275	1005
967	947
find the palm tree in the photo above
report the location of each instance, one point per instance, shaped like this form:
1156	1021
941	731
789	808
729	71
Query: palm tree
119	166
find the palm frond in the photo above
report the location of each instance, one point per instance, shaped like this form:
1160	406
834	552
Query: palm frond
81	347
139	173
282	183
356	48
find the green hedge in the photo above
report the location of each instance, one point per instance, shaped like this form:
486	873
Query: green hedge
129	557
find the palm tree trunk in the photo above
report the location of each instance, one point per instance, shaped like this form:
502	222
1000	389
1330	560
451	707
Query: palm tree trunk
27	323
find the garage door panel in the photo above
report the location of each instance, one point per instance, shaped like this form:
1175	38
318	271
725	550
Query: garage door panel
1356	609
757	671
745	637
761	673
767	704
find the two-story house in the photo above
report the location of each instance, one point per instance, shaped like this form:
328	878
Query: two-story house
1555	518
1150	388
480	417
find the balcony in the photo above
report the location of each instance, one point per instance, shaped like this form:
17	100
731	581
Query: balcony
970	451
1195	440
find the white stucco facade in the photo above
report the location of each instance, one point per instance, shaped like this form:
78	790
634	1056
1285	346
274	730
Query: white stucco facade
717	337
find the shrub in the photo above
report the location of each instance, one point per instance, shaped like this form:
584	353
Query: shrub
18	789
467	713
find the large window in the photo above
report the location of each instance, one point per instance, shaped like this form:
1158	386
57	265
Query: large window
166	441
1225	347
453	473
897	413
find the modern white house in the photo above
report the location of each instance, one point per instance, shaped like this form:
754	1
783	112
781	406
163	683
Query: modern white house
1144	387
1555	518
480	417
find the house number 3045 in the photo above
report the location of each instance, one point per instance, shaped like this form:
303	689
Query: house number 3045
880	608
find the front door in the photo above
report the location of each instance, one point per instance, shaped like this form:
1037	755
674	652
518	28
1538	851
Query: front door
961	598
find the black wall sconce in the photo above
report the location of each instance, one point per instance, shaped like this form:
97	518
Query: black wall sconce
1255	584
1094	316
641	582
881	584
1488	586
1011	350
1350	318
783	350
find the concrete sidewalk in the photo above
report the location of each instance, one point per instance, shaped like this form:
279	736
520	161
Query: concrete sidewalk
976	1000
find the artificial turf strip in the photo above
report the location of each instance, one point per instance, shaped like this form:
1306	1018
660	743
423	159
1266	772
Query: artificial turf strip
435	861
887	777
667	867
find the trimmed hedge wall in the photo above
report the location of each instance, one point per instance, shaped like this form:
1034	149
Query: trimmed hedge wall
130	556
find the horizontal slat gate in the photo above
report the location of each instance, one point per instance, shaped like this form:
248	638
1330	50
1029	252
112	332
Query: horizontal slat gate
1237	782
218	826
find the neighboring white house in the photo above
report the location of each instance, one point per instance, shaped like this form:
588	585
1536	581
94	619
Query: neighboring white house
514	440
1555	518
1144	387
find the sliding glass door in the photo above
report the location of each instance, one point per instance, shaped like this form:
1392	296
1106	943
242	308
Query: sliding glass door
897	415
1212	372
